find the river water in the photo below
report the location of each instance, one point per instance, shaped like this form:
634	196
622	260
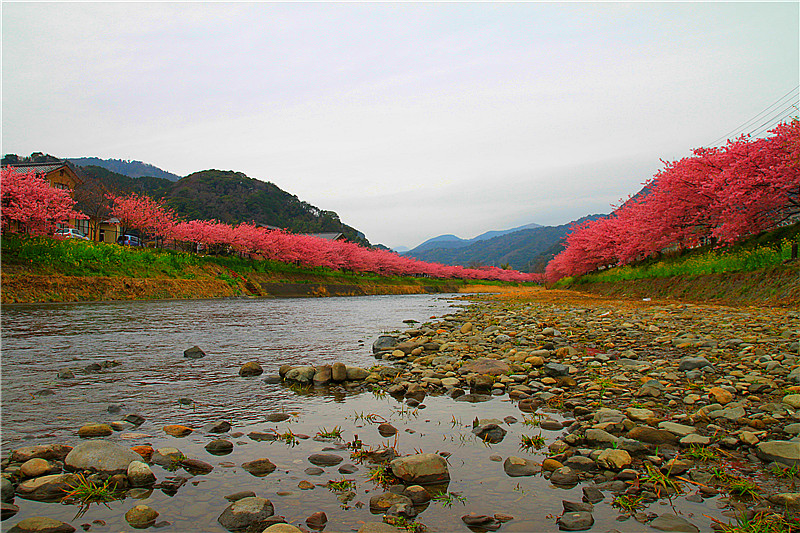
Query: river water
154	380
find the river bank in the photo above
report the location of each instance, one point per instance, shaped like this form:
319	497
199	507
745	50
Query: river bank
772	286
638	414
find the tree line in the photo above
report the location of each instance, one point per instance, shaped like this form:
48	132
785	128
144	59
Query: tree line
717	195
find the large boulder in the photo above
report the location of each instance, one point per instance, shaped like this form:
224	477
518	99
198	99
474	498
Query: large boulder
300	374
517	466
421	469
384	343
47	488
671	522
101	456
39	524
41	451
247	513
782	451
355	373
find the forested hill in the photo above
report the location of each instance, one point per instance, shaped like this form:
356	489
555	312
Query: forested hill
133	169
232	197
526	250
227	196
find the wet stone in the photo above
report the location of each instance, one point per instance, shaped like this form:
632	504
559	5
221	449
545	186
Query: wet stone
576	521
38	524
219	447
671	522
324	459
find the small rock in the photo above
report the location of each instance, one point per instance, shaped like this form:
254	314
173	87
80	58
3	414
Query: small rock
251	368
220	426
219	447
140	475
317	520
671	522
576	521
614	459
564	476
177	430
141	517
386	430
324	459
95	430
236	496
259	467
194	353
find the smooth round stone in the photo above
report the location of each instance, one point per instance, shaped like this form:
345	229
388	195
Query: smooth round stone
95	430
36	467
671	522
277	417
140	475
219	447
141	516
259	467
101	456
324	459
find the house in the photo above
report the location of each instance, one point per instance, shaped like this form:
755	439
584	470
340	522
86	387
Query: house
332	236
61	174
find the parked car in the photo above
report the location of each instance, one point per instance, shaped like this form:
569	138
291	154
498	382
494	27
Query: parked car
129	240
71	233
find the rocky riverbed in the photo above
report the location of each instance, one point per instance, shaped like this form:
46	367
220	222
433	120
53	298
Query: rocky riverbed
589	414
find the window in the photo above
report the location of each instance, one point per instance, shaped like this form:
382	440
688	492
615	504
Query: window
61	186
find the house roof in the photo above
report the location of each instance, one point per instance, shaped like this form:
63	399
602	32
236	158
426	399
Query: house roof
43	168
327	236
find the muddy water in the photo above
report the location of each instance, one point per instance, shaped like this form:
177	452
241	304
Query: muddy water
148	339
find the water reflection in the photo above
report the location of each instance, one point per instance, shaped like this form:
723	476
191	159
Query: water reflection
148	340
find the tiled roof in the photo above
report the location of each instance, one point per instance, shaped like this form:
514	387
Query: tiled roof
24	168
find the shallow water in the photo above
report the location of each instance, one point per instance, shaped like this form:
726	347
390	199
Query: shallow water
148	339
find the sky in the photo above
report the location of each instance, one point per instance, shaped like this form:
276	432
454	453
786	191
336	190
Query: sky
410	120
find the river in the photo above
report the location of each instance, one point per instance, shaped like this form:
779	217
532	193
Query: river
154	379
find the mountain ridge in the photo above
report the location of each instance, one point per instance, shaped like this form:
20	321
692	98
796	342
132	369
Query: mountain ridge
526	250
130	168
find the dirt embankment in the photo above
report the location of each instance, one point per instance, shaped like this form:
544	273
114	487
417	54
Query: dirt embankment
19	286
777	286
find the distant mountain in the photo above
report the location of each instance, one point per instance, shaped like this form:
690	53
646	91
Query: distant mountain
451	241
522	249
133	169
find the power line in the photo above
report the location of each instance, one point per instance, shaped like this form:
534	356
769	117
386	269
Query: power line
779	102
780	117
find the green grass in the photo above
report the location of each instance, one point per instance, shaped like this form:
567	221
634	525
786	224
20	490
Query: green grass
87	491
757	252
73	257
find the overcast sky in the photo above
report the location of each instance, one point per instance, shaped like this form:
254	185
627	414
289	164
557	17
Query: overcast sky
409	120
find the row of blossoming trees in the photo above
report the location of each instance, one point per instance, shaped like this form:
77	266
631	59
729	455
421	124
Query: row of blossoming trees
153	218
719	194
29	201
